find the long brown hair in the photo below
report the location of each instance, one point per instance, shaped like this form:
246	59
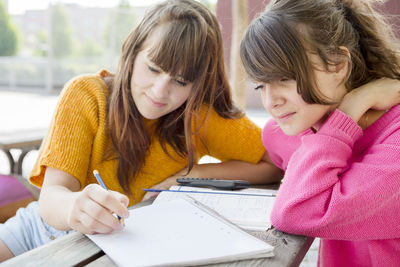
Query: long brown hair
189	44
276	43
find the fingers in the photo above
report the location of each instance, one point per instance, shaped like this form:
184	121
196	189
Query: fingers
121	198
89	225
101	215
93	210
113	201
84	223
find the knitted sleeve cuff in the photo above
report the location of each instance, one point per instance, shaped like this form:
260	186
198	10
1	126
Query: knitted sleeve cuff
341	126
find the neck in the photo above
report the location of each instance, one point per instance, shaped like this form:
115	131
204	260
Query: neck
317	125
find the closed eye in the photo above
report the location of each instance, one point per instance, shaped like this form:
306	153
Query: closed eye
181	83
153	69
285	79
259	87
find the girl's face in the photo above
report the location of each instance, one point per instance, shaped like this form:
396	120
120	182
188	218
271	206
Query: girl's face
293	115
155	92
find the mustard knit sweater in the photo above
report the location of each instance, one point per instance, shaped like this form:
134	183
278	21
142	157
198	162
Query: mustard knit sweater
77	140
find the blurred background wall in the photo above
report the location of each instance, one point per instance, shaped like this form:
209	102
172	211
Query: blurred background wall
43	44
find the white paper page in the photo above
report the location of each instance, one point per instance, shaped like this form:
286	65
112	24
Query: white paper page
247	211
177	233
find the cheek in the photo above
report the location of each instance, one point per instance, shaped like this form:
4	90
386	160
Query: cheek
329	86
264	100
180	96
134	79
140	78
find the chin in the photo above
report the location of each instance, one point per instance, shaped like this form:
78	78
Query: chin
149	115
291	131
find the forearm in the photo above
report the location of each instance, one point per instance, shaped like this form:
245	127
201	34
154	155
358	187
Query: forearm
263	172
379	94
356	103
260	173
55	203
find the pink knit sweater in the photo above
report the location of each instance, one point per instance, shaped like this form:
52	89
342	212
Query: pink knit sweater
341	184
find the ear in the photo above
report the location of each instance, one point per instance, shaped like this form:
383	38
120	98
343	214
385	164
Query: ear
342	69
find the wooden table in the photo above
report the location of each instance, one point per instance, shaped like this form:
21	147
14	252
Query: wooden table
24	140
76	249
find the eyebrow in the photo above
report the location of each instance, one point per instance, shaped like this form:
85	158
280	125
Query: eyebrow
149	61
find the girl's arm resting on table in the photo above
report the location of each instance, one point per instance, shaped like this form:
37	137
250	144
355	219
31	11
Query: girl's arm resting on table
321	195
89	211
264	172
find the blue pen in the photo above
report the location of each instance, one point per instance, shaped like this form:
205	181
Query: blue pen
100	181
208	192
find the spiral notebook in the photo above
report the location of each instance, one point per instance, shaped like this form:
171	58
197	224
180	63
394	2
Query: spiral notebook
179	232
248	208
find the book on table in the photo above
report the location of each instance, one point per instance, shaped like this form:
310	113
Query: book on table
248	208
179	232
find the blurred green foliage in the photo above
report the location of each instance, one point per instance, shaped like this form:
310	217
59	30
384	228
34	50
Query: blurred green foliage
9	39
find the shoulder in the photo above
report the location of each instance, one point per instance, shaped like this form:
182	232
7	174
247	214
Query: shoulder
271	133
280	146
272	136
87	85
84	96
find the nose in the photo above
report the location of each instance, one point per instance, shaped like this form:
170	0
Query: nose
272	98
160	88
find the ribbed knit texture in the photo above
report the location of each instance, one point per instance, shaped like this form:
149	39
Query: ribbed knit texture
343	185
77	139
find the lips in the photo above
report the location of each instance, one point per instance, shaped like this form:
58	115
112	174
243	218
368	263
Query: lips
286	115
155	103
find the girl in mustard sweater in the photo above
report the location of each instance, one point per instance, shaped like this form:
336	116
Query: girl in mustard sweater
168	105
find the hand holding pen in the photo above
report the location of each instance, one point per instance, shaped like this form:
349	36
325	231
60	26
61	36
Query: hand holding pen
93	210
102	184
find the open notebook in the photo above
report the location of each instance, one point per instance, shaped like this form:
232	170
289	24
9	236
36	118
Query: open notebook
248	208
179	232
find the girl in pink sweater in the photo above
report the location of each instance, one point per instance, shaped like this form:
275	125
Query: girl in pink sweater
339	147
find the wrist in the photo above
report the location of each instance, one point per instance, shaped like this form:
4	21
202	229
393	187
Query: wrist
355	104
69	220
204	170
194	172
50	199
